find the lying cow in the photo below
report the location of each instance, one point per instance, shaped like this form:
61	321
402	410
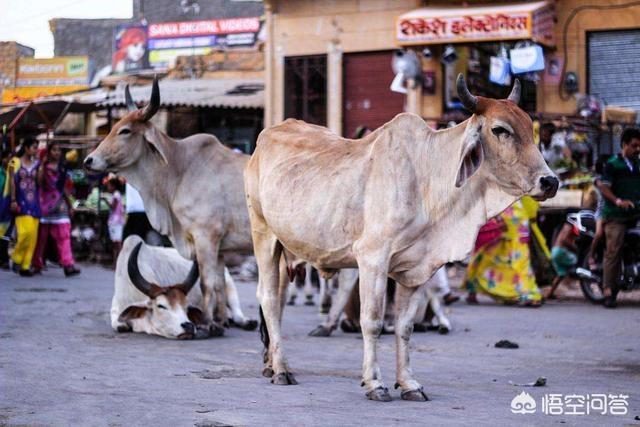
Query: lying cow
155	293
399	203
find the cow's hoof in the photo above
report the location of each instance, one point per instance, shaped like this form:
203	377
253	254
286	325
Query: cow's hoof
380	394
348	327
419	327
320	331
267	372
201	333
291	302
414	395
443	330
324	309
249	325
215	330
124	328
285	378
309	303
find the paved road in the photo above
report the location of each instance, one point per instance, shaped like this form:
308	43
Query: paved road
61	364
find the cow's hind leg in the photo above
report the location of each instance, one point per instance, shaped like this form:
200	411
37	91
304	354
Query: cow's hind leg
348	278
233	301
443	322
308	285
211	283
408	301
272	281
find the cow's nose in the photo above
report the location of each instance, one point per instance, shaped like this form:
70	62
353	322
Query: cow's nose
189	327
88	161
549	184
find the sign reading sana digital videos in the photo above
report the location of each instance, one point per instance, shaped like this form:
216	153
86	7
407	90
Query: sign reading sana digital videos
130	49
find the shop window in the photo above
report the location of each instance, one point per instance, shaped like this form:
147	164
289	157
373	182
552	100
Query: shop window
305	88
474	62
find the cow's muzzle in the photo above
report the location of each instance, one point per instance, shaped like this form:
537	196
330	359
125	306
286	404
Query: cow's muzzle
549	186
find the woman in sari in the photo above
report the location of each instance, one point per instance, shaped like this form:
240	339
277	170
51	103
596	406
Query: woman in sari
501	262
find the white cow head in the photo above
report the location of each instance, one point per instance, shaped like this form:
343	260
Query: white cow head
166	312
500	134
131	138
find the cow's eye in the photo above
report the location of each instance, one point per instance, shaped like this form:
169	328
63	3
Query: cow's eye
162	307
499	130
124	131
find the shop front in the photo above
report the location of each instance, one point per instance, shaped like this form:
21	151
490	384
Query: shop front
487	44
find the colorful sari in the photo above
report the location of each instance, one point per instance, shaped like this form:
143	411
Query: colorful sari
501	267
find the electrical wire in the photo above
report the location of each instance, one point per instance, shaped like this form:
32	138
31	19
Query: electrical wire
573	14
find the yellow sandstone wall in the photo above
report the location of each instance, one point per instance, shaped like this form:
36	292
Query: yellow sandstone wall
549	100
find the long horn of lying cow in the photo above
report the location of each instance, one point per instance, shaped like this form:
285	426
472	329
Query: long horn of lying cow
469	101
515	92
131	106
154	103
191	279
134	272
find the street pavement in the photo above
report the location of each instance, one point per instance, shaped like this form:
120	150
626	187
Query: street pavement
61	364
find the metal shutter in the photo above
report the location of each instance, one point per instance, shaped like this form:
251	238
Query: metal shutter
614	67
368	101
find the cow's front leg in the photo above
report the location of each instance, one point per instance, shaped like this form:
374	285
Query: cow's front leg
408	301
373	287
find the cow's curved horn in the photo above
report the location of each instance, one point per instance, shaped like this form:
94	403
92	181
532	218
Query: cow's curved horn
134	272
515	92
191	279
131	106
469	101
154	103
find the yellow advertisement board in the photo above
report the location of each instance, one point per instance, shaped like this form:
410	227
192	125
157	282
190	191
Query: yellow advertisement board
60	71
20	94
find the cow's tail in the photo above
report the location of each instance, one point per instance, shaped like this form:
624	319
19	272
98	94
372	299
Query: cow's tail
264	336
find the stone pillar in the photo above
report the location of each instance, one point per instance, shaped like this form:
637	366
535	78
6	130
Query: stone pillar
268	62
334	87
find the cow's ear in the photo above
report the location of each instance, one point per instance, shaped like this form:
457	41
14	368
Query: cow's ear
195	315
132	312
472	154
157	142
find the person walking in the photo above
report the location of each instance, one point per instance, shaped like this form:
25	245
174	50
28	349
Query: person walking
25	205
620	187
501	263
116	214
5	211
55	207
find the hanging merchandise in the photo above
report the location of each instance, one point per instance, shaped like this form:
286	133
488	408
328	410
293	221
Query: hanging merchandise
499	71
527	59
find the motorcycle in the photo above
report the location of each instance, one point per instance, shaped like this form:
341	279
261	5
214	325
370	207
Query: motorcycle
590	277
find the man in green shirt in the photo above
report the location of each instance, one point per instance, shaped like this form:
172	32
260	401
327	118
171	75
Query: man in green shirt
620	186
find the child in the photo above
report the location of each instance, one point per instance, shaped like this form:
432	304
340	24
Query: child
116	214
563	254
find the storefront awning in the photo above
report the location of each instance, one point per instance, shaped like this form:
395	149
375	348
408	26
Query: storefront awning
434	25
217	93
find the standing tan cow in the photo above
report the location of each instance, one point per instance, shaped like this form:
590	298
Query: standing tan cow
192	191
400	203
